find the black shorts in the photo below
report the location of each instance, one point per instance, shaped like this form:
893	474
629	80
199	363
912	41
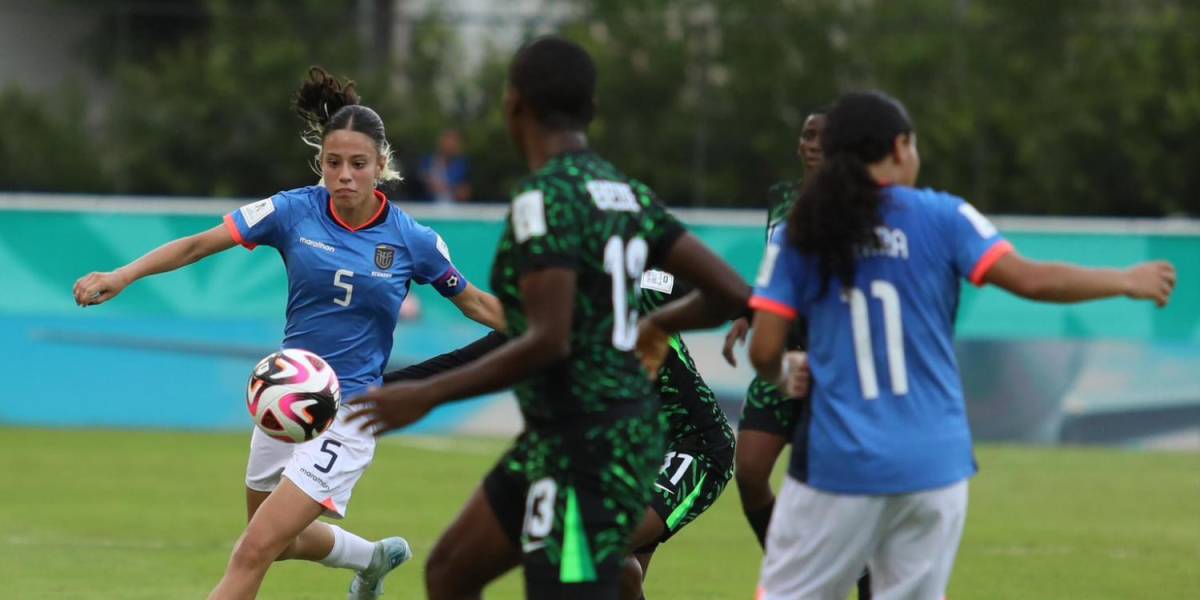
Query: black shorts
769	411
692	477
570	501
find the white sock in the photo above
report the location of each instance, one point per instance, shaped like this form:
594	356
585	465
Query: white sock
349	550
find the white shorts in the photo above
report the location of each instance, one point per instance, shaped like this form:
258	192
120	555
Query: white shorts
818	543
326	468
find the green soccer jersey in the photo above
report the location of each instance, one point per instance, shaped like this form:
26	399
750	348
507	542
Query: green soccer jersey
693	416
780	198
579	212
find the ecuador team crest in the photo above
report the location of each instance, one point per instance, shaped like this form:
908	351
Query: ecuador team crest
384	256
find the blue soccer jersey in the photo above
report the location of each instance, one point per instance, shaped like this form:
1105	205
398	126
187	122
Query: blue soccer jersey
887	405
345	285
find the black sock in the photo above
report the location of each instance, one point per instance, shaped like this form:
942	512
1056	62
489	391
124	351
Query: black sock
864	586
759	518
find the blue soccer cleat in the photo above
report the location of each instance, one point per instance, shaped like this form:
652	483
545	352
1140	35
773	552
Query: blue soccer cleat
389	554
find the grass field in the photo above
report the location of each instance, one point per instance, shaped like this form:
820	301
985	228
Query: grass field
114	514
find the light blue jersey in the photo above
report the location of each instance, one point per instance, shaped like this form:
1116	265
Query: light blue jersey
887	405
345	285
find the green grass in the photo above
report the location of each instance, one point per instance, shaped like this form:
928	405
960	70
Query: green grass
115	514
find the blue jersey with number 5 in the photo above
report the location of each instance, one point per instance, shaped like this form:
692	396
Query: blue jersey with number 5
345	285
887	405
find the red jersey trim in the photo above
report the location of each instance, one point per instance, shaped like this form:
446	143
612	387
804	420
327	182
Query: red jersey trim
382	203
989	258
237	235
772	306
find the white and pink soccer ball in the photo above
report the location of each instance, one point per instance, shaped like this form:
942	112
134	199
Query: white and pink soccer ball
293	395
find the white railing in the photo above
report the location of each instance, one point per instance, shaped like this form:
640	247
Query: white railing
19	201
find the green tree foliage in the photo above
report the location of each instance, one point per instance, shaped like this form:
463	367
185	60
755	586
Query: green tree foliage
45	146
1026	106
211	116
1072	107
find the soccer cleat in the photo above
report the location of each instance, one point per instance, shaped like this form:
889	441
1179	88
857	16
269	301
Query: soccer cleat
389	554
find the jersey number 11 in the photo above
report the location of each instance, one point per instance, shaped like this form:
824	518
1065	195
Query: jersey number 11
893	333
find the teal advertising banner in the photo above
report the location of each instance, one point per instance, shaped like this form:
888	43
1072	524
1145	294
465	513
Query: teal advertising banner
175	349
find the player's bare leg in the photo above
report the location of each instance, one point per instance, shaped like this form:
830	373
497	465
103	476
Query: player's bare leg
471	553
276	523
633	573
754	459
314	543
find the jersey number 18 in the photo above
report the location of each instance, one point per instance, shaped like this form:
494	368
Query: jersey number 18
625	262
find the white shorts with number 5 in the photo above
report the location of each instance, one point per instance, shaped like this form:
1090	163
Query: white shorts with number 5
326	468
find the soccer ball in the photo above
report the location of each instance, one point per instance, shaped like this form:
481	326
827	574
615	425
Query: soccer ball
293	395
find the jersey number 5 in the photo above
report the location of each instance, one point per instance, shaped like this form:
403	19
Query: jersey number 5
345	285
893	333
625	262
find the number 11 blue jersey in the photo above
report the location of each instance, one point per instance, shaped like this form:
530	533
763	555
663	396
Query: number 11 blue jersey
887	405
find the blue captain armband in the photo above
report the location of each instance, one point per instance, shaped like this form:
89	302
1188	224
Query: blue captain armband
451	283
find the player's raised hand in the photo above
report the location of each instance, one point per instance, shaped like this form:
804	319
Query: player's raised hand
736	335
1152	281
652	346
391	407
98	288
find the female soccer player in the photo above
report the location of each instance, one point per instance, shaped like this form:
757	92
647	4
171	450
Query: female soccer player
768	416
699	442
879	468
565	499
350	256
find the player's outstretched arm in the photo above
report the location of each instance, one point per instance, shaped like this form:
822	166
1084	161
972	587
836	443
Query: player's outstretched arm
1065	283
481	307
97	288
720	295
450	360
549	306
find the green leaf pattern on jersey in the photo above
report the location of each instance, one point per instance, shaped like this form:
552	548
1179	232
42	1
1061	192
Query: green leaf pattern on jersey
688	404
780	198
573	232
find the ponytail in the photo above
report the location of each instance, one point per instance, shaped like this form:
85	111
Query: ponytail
327	105
836	215
320	97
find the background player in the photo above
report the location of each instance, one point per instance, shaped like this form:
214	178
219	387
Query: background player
699	442
768	417
879	469
350	257
564	500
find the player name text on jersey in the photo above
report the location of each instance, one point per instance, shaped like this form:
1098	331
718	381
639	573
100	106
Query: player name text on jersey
893	243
